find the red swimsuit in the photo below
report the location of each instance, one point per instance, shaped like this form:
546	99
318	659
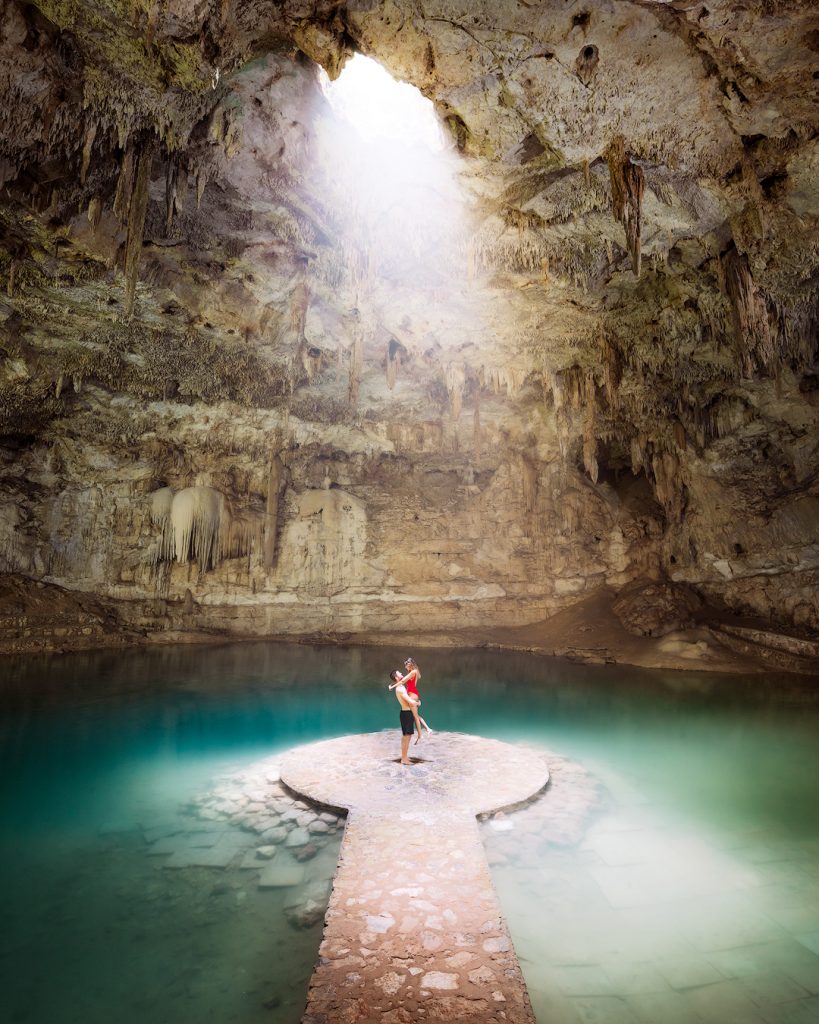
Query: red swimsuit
411	687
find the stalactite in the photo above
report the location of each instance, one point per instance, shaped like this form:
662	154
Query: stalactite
275	485
612	371
476	422
196	525
503	378
753	190
455	378
239	536
590	430
679	435
627	185
311	359
299	304
136	224
529	481
395	354
94	213
638	444
668	484
161	502
356	364
563	423
554	383
122	197
752	329
171	198
87	147
202	177
574	381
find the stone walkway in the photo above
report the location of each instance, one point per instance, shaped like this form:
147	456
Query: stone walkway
414	930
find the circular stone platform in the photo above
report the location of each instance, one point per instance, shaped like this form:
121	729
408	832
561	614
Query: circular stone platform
414	929
450	771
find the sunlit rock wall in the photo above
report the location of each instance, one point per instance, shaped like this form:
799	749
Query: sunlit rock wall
587	354
370	535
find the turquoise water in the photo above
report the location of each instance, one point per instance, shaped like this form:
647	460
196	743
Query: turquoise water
711	815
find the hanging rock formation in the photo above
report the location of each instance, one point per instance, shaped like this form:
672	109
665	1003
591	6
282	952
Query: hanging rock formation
200	264
627	187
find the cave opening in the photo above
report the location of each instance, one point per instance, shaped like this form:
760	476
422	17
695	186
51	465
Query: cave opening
390	170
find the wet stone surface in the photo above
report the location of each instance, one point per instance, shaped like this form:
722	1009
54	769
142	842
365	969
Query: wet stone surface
414	930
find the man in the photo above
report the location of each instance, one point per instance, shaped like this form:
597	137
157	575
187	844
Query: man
410	682
407	718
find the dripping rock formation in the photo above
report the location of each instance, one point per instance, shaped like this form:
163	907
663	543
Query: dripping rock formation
576	384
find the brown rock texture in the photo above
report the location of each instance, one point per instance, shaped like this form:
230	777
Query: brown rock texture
239	393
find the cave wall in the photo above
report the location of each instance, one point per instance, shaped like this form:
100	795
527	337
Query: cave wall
374	533
605	368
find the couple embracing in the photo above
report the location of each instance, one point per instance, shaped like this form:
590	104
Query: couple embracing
406	690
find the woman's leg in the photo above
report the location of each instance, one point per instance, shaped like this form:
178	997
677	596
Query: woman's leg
418	721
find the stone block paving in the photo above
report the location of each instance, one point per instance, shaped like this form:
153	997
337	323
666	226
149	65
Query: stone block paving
414	930
635	918
616	914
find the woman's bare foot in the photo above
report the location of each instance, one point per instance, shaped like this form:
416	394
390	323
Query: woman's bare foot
417	739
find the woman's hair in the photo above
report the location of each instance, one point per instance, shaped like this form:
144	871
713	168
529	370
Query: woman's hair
394	674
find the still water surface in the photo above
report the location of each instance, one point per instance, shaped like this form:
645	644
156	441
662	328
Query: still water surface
694	895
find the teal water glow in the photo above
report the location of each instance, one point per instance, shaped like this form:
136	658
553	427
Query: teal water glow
97	748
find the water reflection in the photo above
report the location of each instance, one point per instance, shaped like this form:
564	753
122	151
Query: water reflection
706	763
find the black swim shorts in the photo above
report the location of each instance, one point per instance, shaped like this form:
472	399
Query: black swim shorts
407	723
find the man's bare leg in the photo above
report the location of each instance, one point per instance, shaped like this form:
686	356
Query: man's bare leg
405	750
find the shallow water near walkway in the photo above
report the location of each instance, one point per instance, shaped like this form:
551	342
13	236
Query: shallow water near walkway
694	894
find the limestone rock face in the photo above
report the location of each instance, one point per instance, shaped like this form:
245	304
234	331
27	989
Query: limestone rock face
655	609
575	348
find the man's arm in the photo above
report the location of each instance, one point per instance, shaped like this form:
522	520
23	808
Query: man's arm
402	690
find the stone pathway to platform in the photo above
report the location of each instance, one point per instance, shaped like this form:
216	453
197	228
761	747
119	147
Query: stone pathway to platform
414	930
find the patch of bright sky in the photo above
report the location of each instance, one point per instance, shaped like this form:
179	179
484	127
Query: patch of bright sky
379	107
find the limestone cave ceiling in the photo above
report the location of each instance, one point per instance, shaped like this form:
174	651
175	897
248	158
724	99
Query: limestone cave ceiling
628	290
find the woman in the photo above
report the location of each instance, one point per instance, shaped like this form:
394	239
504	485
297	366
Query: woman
410	681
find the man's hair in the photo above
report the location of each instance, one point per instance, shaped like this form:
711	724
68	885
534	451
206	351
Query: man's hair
394	674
